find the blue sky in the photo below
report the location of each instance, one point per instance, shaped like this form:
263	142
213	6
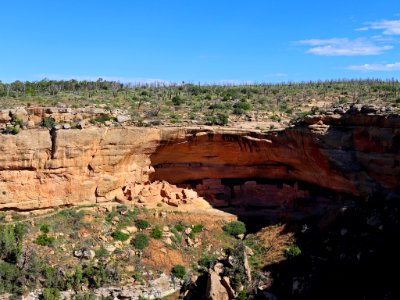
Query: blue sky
199	41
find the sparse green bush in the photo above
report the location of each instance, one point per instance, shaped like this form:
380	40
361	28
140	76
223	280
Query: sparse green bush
101	119
241	107
140	242
276	118
102	253
11	237
289	111
242	295
137	276
44	228
234	228
142	224
50	294
119	236
48	122
177	101
292	251
156	233
44	240
177	237
207	260
314	109
10	277
219	119
12	130
179	271
197	228
180	227
86	296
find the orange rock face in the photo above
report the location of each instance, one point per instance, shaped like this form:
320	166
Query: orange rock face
72	167
357	154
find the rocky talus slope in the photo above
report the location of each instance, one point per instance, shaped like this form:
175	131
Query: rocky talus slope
355	152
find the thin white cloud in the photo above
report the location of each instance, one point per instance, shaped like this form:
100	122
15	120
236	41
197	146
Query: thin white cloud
376	67
233	82
94	78
389	27
344	47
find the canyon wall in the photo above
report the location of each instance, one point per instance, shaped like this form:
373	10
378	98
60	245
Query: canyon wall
354	152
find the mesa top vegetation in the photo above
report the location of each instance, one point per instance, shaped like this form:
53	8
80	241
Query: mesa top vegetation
186	103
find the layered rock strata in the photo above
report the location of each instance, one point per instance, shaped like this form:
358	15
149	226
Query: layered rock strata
355	152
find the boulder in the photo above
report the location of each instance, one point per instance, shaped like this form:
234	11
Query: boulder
21	114
131	229
122	118
110	248
5	116
215	290
219	268
226	283
369	109
246	266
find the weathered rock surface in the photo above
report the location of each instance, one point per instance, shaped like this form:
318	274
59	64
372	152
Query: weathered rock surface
356	153
155	289
215	289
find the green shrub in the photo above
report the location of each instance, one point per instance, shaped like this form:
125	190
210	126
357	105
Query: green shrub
234	228
44	228
276	118
314	110
289	111
156	233
101	119
142	224
207	260
179	271
219	119
191	235
86	296
241	107
177	237
119	236
180	227
140	242
102	253
44	240
176	100
48	122
137	276
292	251
242	295
12	130
97	275
50	294
11	237
9	276
197	228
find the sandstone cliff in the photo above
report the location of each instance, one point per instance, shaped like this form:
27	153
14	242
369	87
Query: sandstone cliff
354	152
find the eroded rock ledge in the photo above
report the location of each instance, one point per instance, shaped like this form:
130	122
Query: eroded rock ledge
355	152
